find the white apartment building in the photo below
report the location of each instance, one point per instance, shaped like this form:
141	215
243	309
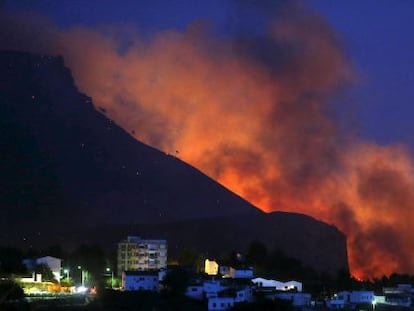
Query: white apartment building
136	254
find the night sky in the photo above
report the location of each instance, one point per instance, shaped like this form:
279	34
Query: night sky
295	106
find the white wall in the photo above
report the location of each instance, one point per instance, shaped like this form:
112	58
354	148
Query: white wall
54	264
140	282
241	273
212	287
244	295
283	286
362	297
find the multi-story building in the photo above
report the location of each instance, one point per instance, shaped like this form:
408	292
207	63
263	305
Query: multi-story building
136	254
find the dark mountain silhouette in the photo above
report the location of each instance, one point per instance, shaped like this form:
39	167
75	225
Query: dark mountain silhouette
66	167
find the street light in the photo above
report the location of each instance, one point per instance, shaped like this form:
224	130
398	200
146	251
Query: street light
66	271
112	276
82	276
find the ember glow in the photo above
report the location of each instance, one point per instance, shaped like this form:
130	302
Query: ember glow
256	115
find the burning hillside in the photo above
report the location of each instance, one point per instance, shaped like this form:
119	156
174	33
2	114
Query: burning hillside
254	112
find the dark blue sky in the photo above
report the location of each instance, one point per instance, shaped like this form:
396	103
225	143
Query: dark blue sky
376	34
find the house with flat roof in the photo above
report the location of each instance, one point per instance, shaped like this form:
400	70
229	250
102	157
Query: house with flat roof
140	281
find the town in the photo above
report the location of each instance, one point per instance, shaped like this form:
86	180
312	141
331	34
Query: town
206	155
141	274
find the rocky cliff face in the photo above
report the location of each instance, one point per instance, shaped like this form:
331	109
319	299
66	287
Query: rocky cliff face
65	165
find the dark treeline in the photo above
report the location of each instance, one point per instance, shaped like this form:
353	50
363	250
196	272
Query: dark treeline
274	264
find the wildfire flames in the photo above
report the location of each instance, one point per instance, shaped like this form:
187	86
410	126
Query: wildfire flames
253	112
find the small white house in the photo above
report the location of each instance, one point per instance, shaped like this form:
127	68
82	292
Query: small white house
339	301
140	281
229	297
397	296
241	273
243	294
278	285
53	263
361	296
344	298
212	288
207	289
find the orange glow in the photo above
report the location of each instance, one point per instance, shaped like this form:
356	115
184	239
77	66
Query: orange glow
259	122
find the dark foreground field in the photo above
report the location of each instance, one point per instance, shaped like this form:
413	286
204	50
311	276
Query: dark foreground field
110	300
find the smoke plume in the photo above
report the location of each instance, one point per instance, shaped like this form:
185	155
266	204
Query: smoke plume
254	112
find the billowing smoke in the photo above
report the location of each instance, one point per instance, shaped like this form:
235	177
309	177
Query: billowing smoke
254	112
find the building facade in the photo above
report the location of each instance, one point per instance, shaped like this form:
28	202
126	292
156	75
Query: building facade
140	281
136	254
278	285
241	273
345	299
53	263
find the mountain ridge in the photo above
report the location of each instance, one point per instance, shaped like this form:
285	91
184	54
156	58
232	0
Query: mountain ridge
65	165
88	136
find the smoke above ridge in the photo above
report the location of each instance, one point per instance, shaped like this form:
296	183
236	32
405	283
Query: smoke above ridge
253	111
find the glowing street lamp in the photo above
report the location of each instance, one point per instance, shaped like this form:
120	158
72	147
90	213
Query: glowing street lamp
66	271
112	276
82	276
